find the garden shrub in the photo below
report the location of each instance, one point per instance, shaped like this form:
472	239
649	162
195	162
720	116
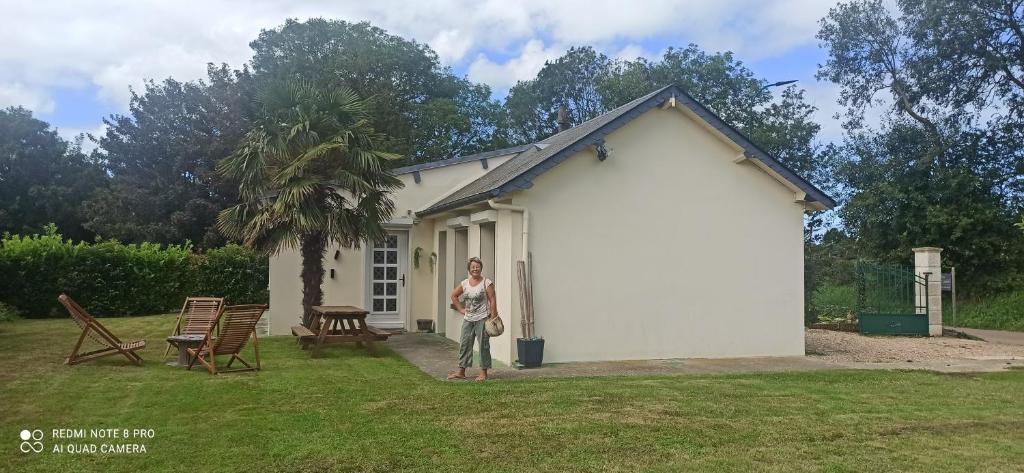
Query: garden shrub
111	278
233	272
1001	312
8	313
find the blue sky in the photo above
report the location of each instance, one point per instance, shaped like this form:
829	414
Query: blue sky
73	63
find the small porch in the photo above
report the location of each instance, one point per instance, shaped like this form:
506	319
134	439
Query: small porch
496	237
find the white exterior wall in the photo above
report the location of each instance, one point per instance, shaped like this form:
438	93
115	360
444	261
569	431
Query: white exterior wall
348	285
668	249
285	291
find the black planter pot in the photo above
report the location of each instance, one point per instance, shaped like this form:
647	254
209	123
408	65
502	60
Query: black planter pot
425	325
531	352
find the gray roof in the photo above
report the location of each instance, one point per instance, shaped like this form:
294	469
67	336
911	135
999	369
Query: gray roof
518	172
460	159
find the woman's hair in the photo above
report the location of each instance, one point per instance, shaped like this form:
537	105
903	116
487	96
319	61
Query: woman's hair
474	260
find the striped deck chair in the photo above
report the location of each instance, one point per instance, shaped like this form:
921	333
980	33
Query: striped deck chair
92	329
237	325
196	317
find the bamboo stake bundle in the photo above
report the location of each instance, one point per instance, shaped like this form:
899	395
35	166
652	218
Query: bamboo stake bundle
529	290
521	273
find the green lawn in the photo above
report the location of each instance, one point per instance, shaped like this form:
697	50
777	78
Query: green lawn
351	412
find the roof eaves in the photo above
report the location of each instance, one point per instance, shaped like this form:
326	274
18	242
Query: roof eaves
524	180
753	151
472	199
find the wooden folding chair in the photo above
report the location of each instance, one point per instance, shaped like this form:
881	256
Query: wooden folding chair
98	333
237	324
198	315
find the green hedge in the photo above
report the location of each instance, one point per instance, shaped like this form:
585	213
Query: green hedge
1001	312
113	279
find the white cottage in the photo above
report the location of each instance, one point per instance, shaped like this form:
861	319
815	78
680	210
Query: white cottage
656	229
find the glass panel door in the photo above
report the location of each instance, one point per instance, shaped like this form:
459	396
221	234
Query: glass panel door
386	278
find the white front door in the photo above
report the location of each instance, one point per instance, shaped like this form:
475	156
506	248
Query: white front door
387	278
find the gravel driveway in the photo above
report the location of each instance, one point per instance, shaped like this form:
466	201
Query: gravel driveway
845	347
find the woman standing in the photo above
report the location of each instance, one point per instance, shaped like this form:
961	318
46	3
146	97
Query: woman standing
474	298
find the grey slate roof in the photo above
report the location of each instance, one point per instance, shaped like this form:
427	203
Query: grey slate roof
518	172
461	159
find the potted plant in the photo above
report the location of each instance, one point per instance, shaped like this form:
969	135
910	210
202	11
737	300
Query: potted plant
531	351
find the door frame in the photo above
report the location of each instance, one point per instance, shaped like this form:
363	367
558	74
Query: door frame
403	289
441	278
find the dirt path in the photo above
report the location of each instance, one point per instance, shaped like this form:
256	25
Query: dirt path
994	336
935	353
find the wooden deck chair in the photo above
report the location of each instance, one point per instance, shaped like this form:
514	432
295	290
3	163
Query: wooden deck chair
98	333
196	317
237	325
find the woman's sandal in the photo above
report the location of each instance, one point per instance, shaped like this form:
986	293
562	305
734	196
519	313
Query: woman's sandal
452	376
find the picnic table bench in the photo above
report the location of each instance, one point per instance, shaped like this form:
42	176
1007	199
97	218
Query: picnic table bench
338	324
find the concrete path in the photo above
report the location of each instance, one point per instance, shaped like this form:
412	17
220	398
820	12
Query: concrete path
994	336
436	356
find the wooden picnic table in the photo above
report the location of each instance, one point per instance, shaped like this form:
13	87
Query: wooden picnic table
338	324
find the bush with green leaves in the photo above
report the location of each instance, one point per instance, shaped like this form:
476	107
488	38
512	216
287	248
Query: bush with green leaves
234	272
8	313
1001	312
114	279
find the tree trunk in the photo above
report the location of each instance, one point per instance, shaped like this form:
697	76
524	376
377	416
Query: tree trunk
312	246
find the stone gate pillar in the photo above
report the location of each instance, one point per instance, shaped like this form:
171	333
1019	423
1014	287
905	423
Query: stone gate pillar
928	260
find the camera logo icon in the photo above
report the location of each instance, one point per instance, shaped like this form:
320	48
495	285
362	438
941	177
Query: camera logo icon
31	441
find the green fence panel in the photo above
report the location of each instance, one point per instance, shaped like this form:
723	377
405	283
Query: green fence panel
891	300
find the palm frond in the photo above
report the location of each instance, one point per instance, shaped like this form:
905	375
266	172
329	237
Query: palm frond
309	164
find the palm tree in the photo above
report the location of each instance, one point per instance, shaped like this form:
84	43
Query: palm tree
309	175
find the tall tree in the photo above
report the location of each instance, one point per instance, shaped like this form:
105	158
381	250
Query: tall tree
944	165
870	52
718	80
570	81
162	157
463	120
402	80
311	173
969	54
43	178
898	202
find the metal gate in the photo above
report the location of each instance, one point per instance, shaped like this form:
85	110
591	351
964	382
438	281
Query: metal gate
891	300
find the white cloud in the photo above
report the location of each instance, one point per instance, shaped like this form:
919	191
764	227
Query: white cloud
633	51
451	45
114	44
825	96
524	67
71	134
18	94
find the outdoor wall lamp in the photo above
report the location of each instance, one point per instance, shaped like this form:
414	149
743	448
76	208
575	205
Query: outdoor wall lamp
602	151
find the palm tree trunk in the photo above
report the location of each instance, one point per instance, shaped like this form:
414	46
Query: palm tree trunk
312	246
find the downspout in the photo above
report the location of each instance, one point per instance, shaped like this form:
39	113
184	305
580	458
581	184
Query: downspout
526	222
